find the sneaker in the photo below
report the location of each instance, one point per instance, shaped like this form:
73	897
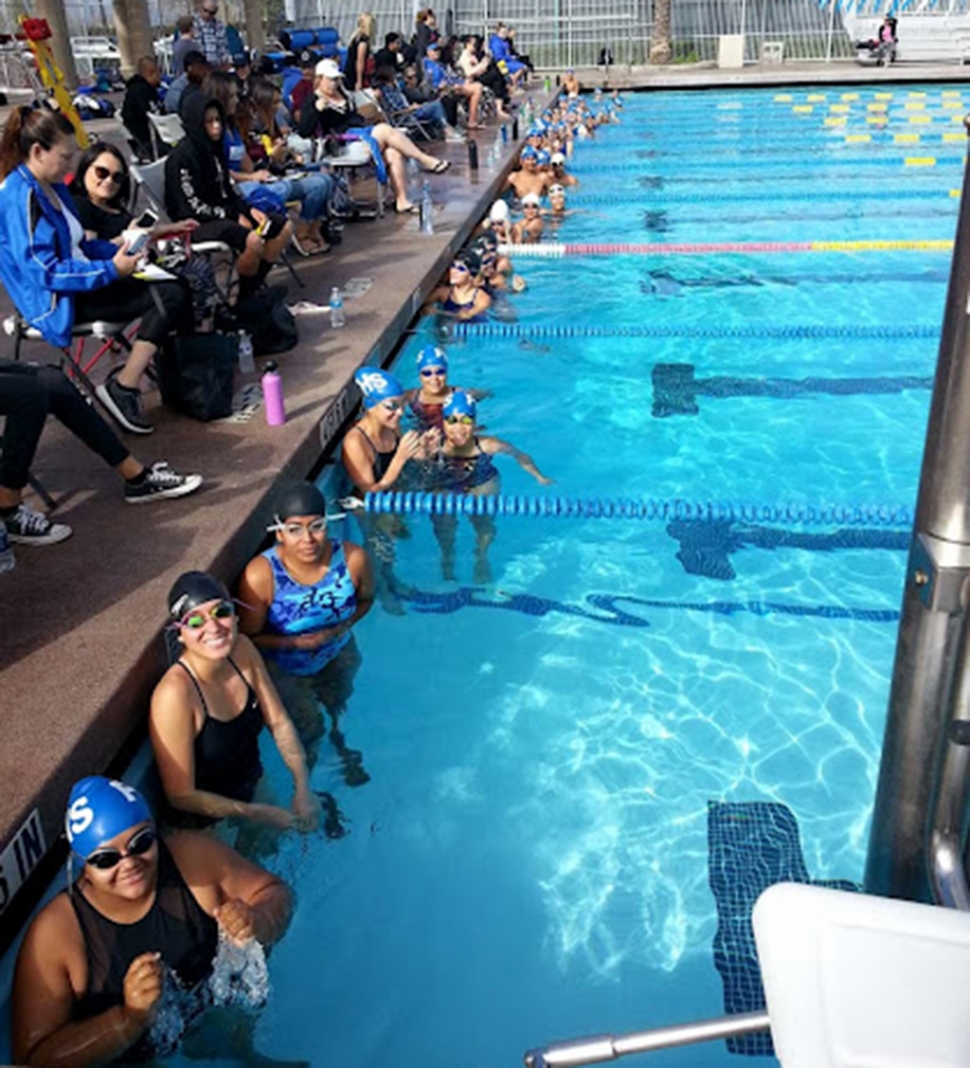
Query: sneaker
29	527
454	137
161	482
124	405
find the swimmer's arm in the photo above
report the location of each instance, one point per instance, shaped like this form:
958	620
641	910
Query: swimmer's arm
430	306
217	875
358	564
281	726
43	999
360	466
496	445
255	597
171	728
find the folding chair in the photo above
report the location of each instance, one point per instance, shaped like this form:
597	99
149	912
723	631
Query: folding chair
351	156
149	178
166	130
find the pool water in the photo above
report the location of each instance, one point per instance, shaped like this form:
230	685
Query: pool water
528	860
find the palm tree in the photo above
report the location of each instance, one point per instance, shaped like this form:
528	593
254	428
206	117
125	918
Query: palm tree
660	51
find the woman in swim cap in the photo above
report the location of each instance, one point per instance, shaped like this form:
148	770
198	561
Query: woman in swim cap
528	230
208	710
499	223
91	969
298	602
375	454
426	403
462	296
465	466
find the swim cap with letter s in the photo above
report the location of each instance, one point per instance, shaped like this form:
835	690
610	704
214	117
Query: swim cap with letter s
377	386
431	356
99	809
459	403
300	498
192	589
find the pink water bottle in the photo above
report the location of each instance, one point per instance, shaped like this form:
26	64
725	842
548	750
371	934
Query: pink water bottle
273	395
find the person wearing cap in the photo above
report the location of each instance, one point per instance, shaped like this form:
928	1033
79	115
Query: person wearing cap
558	171
528	178
443	81
208	710
375	454
299	603
461	296
498	276
464	465
210	33
499	222
333	113
557	204
93	964
528	230
425	404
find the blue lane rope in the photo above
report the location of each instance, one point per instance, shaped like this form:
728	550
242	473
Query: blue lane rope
763	330
458	504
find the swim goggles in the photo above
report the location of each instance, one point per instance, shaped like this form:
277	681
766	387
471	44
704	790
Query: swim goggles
433	372
455	420
138	844
197	620
314	529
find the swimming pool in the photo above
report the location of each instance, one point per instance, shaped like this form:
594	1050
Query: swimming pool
528	859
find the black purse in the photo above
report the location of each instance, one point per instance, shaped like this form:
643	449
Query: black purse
196	374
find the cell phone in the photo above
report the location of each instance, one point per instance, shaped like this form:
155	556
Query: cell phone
146	220
138	243
263	228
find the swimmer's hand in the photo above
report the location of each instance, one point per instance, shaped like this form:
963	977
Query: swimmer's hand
409	446
143	985
430	442
237	919
306	809
313	639
271	815
518	283
543	481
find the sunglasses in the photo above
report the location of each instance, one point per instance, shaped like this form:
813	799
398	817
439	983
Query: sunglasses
138	845
462	420
105	174
434	372
314	529
393	407
197	620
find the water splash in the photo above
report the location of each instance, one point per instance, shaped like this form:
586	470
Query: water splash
176	1008
239	974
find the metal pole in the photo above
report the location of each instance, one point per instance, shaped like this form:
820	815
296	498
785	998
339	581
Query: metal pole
828	43
933	603
602	1048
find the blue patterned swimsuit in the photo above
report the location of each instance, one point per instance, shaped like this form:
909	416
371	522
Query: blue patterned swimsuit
297	609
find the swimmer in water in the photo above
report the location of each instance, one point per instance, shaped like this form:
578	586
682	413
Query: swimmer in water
426	403
299	602
208	711
558	173
463	296
528	230
499	224
529	178
465	466
93	963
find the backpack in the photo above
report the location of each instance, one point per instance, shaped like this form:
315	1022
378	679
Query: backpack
268	321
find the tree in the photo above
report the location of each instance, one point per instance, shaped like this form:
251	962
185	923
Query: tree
660	50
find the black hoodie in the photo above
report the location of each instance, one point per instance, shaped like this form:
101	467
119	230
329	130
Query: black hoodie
197	182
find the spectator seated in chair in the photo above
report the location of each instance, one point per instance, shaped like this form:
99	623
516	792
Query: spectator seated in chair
415	118
442	79
186	85
56	276
478	66
334	113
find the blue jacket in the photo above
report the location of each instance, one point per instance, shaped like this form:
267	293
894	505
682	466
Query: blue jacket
36	267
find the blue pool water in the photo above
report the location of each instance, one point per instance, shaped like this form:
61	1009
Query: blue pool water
529	858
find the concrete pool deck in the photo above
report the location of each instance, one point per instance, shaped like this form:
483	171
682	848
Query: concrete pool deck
81	623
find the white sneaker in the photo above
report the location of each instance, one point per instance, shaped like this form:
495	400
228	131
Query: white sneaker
161	483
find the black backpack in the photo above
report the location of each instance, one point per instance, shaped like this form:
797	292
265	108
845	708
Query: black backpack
266	318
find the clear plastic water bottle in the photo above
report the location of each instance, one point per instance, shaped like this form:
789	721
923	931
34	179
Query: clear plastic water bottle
337	317
246	362
426	209
7	559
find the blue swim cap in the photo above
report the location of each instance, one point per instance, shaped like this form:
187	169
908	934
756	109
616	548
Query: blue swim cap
377	385
544	157
528	153
100	808
459	403
431	356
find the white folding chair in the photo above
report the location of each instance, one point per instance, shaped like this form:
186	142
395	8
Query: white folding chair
853	980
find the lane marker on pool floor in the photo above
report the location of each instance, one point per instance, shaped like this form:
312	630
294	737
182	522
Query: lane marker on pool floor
555	250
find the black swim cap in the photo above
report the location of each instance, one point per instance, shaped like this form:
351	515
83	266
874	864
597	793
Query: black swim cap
192	589
300	498
471	259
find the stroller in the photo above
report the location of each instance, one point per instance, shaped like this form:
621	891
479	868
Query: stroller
882	49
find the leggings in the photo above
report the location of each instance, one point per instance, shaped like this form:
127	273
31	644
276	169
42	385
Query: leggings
128	299
27	395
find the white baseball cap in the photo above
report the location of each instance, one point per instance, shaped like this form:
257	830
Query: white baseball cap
327	68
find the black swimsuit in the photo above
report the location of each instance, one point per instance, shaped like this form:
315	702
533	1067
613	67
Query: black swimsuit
227	751
175	926
382	460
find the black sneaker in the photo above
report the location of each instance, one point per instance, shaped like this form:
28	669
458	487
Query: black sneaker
29	527
161	482
124	405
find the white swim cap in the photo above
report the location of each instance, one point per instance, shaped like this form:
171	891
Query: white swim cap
499	212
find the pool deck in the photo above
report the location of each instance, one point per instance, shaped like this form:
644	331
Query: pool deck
81	623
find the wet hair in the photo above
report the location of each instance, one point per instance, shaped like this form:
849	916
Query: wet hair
122	195
27	127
